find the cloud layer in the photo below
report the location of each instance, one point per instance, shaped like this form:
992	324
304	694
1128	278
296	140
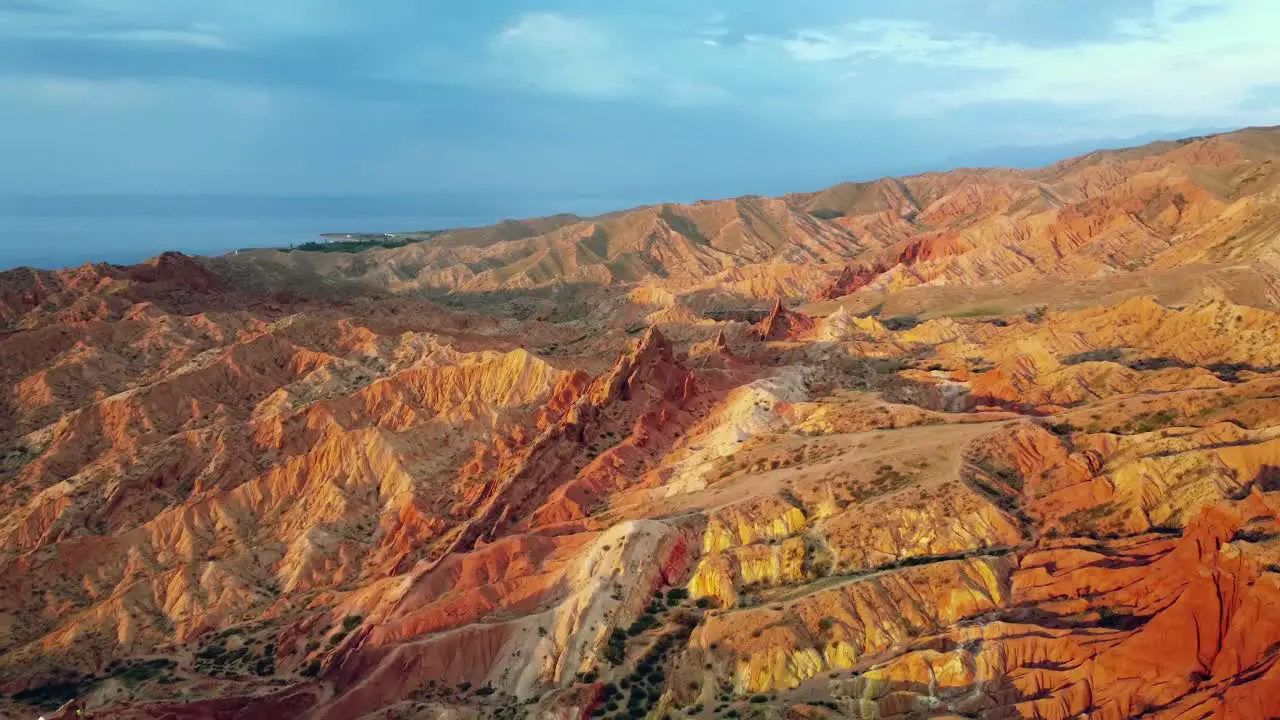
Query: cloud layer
488	95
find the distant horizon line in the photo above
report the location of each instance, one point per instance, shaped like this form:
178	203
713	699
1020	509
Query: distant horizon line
961	160
627	199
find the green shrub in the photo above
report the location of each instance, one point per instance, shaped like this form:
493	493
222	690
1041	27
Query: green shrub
143	670
52	695
211	652
349	246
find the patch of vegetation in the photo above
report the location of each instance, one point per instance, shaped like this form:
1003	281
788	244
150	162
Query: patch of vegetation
143	670
1157	363
826	214
217	660
645	622
901	322
265	666
52	695
1061	429
1149	422
1006	475
1087	516
616	649
1114	355
211	652
888	479
1230	372
1117	619
14	458
351	246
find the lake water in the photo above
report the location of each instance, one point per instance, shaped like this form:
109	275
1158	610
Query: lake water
51	232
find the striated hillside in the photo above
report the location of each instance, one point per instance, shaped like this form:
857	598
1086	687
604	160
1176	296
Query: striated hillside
981	444
1205	201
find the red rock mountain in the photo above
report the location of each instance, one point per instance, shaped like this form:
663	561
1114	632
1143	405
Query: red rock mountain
985	443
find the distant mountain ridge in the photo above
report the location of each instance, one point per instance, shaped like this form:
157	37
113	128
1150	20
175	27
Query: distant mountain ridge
1157	206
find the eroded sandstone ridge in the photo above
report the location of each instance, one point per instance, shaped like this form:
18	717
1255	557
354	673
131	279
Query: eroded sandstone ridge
980	444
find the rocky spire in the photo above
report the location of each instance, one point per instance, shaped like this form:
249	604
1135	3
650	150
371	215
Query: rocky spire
721	343
783	324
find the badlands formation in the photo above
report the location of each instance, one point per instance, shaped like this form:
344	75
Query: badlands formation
979	444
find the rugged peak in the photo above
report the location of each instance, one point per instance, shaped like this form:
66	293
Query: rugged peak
714	351
840	286
173	271
783	324
652	364
653	346
721	343
851	279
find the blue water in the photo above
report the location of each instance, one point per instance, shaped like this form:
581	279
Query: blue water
52	232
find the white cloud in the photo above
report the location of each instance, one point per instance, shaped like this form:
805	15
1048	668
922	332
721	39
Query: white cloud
1186	60
221	25
899	40
205	38
581	58
201	37
564	55
90	26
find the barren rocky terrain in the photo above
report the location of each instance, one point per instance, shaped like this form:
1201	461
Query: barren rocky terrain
975	444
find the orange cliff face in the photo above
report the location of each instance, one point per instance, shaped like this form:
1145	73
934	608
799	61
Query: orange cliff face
1022	460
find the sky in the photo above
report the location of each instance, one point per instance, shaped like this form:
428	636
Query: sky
577	102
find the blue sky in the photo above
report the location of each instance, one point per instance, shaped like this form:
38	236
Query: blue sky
629	101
